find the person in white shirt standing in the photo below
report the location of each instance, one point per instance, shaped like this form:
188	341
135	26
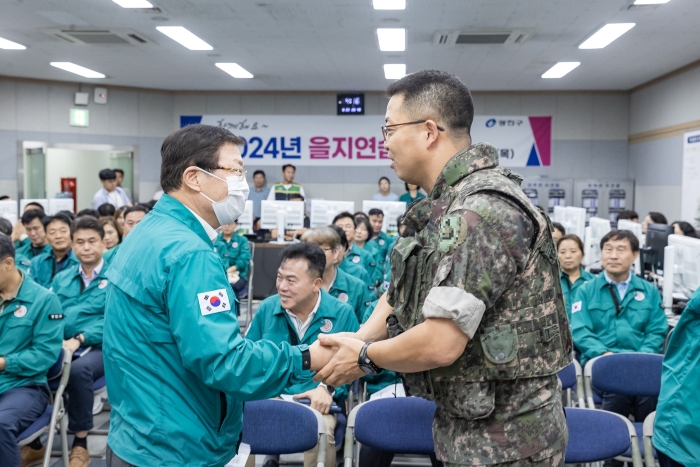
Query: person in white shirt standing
110	192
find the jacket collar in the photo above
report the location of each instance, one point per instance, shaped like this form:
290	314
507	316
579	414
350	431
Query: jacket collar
467	161
325	309
170	207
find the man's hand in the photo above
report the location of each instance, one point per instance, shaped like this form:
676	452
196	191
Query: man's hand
320	356
342	368
3	364
320	398
71	344
232	269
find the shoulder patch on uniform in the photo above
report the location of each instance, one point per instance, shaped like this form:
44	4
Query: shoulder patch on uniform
355	259
327	325
103	283
54	317
576	307
21	311
212	302
639	296
235	244
453	231
381	241
343	297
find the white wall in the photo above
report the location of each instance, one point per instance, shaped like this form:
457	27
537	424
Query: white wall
82	165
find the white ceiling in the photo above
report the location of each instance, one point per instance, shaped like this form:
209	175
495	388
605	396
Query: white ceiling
331	44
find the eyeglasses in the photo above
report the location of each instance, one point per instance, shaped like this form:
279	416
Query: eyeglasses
385	128
238	172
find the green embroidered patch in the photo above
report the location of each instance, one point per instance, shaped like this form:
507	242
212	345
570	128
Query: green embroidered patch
453	231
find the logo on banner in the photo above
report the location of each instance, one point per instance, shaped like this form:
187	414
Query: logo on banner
490	122
327	325
215	301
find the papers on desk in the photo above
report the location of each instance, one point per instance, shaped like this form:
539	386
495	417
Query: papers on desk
395	390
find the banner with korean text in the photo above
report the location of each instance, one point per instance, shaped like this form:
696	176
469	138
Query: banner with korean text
357	140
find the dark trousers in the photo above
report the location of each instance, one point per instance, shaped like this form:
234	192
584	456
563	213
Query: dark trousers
19	408
370	457
239	286
665	461
114	461
84	371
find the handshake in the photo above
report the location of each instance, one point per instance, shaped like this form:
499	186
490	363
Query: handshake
334	358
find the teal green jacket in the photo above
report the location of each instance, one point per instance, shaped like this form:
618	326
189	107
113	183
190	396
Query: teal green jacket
641	325
355	270
108	255
235	252
177	368
43	268
383	243
272	323
352	291
27	250
21	243
385	378
31	335
568	288
365	259
676	432
83	307
373	249
22	262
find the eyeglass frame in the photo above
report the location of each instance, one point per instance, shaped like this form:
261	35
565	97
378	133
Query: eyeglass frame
386	127
243	173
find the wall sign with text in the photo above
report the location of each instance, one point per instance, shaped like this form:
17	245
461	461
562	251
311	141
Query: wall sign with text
331	140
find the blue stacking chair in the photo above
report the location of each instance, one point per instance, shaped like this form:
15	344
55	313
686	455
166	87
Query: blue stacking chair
99	387
571	377
54	413
275	426
648	432
597	435
629	374
403	425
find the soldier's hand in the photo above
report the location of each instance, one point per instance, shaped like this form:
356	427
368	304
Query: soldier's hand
342	368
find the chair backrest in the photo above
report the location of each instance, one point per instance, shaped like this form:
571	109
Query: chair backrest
280	427
403	425
57	368
567	376
628	374
595	435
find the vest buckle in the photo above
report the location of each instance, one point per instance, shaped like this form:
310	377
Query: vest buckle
549	333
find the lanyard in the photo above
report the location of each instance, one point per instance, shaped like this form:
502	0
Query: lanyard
618	308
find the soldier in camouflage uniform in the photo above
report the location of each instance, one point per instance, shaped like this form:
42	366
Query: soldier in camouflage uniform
482	262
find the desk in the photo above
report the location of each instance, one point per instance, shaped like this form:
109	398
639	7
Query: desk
267	262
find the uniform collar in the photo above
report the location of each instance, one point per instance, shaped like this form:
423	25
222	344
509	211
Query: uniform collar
25	294
211	233
321	309
625	283
467	161
95	272
170	207
634	282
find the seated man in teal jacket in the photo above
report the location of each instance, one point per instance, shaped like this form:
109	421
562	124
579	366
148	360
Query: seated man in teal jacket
296	315
177	368
44	267
36	235
618	312
234	251
31	331
82	291
343	286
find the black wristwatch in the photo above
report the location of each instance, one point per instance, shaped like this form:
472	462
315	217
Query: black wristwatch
365	363
305	357
79	338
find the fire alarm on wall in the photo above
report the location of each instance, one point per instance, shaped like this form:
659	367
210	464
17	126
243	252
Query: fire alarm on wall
100	95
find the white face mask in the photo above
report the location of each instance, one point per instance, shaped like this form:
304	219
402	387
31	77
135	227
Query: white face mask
230	208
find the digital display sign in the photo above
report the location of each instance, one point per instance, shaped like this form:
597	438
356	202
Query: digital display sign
351	104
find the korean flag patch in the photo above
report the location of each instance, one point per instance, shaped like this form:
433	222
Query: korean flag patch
576	307
213	302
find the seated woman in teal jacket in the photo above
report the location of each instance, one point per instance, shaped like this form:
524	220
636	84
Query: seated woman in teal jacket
573	276
234	251
296	315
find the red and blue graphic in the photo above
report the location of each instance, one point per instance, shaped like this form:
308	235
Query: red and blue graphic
215	301
327	325
541	152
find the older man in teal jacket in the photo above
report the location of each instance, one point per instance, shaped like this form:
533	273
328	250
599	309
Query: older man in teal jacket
177	368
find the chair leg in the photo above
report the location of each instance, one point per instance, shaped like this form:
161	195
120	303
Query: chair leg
322	447
64	437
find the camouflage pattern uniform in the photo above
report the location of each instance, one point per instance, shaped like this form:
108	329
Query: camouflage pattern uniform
481	243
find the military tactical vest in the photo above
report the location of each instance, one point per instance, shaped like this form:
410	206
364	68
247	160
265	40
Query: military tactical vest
526	332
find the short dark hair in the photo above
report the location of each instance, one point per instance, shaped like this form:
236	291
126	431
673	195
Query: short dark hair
284	167
87	223
60	217
34	203
193	145
4	198
259	172
32	214
438	95
136	208
687	229
5	226
364	221
313	254
107	174
106	209
68	214
560	228
150	204
574	238
627	215
7	248
376	212
343	215
621	235
657	218
384	178
341	234
360	214
119	171
90	212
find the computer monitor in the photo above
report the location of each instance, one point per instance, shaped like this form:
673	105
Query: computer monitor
391	209
636	229
23	204
8	210
293	212
57	205
656	241
323	211
559	214
682	269
245	222
575	221
596	230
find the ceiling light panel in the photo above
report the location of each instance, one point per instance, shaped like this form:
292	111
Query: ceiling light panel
184	37
395	71
389	4
133	3
77	69
560	70
235	70
9	45
606	35
392	39
651	2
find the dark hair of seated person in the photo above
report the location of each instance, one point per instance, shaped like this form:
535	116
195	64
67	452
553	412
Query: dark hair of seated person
313	254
